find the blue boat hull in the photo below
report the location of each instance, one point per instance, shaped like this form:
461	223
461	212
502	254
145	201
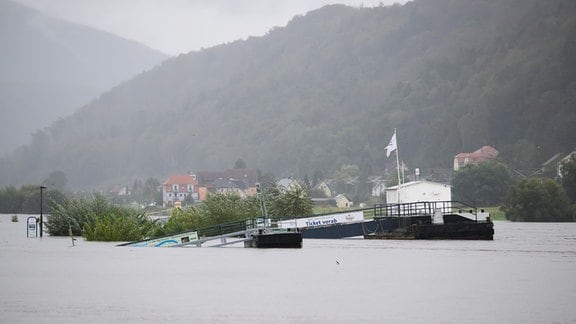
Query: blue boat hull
340	231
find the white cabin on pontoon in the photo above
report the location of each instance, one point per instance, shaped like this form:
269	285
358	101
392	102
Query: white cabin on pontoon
430	198
416	191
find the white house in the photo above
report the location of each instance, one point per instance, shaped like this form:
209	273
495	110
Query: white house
178	187
323	187
288	184
417	191
343	202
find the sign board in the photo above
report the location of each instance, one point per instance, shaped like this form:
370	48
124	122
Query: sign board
167	240
31	227
324	220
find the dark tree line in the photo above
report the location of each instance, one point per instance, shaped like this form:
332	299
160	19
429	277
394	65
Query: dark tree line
26	199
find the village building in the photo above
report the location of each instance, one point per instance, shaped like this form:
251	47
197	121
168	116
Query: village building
566	159
287	184
120	191
343	202
323	187
178	188
241	181
482	154
230	186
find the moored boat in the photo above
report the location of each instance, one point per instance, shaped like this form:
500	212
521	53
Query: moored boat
448	220
416	220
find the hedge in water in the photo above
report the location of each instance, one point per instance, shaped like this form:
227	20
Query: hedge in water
538	200
98	220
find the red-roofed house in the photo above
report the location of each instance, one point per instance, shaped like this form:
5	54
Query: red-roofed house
482	154
178	188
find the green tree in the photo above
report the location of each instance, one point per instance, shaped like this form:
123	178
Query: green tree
118	224
181	220
537	200
146	192
240	164
568	172
317	177
521	154
288	203
485	183
10	200
151	192
223	208
98	220
217	209
347	178
27	199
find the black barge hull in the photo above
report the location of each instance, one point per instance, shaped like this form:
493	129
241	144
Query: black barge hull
287	240
451	230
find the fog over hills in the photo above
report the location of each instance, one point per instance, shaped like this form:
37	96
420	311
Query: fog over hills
49	68
328	90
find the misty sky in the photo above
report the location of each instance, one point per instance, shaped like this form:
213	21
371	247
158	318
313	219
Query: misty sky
180	26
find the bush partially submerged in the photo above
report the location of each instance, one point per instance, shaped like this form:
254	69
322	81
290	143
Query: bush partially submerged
97	220
122	225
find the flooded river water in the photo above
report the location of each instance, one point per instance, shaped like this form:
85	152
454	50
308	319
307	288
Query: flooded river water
526	275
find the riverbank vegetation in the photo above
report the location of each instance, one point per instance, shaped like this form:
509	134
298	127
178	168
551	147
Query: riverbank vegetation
536	199
97	219
27	199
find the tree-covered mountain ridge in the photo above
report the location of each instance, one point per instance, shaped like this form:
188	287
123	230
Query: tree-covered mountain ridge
328	90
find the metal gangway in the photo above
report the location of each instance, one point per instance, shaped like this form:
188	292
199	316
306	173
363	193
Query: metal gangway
224	234
244	230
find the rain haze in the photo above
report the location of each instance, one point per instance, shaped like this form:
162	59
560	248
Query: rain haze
181	26
110	92
35	94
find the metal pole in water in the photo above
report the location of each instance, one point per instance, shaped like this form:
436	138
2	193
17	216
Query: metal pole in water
262	203
70	233
41	211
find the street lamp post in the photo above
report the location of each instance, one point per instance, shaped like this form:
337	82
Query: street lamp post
41	210
262	203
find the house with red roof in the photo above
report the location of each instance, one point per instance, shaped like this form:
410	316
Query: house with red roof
178	188
482	154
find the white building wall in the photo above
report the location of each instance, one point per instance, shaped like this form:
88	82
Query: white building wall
419	191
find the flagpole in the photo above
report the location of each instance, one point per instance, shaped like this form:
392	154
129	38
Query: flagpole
397	168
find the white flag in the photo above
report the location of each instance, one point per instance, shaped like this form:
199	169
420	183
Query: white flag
392	146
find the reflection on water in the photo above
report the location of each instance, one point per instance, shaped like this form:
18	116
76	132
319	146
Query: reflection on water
526	275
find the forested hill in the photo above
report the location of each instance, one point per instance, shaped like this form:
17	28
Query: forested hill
50	67
327	90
